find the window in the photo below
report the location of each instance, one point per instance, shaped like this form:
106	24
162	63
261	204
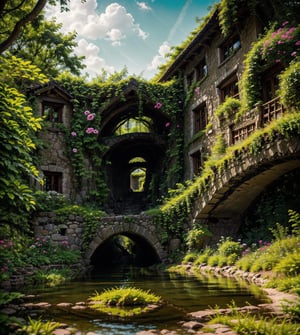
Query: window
229	47
270	83
229	88
196	162
200	118
53	112
201	70
53	181
190	79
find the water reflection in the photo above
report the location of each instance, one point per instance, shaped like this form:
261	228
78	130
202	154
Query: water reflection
182	294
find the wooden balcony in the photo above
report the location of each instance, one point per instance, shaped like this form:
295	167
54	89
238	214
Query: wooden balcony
256	118
271	110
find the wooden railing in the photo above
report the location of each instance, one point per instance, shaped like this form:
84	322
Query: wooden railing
267	112
271	110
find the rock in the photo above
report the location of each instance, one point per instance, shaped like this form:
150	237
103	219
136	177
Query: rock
43	305
64	304
60	331
77	307
149	332
8	311
192	325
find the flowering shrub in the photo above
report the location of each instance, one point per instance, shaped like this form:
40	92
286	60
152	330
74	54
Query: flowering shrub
281	45
37	252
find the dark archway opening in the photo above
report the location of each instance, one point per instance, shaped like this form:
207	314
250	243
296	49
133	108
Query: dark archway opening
123	250
271	207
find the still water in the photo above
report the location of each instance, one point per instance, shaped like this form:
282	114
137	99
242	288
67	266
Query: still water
181	294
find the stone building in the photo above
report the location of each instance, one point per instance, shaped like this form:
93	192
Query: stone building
54	104
212	66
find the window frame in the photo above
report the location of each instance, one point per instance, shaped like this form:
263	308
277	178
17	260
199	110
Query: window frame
202	70
49	116
196	162
200	118
229	88
56	178
229	47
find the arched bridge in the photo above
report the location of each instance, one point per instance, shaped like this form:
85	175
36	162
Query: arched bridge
228	195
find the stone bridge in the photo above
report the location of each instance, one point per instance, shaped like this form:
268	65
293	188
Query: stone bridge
228	195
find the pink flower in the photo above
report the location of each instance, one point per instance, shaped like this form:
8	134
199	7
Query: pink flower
89	130
73	133
297	43
86	112
285	23
158	105
96	131
90	117
277	60
74	150
197	90
167	124
293	54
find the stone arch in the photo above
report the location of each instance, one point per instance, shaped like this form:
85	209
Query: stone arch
230	193
128	226
245	179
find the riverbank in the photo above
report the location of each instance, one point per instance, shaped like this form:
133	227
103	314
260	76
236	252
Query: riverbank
193	323
198	322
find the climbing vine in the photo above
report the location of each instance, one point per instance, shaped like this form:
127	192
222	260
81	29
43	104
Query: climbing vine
82	140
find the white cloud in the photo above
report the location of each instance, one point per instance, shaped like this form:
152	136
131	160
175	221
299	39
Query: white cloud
161	57
143	6
115	24
94	63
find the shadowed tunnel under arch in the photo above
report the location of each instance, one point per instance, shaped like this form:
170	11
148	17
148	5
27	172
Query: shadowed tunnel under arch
123	249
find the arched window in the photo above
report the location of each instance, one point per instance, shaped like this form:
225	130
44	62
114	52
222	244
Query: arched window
137	174
134	125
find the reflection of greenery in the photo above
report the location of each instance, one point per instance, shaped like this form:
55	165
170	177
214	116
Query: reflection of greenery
116	301
120	311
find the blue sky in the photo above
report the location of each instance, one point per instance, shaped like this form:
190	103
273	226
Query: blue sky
132	34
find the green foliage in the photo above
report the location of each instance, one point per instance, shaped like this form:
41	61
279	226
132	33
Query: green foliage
125	296
228	108
196	237
289	265
124	301
204	256
5	320
227	247
44	45
38	327
37	252
277	46
279	232
190	257
49	201
245	324
52	278
18	126
289	86
294	220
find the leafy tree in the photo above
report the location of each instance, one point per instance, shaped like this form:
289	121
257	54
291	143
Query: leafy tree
44	45
15	14
17	142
